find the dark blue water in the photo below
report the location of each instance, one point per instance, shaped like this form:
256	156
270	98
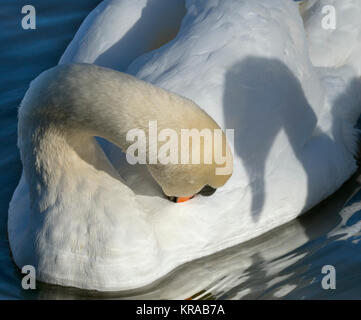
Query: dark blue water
23	55
285	263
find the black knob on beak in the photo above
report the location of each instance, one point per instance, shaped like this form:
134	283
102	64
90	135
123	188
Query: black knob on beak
207	191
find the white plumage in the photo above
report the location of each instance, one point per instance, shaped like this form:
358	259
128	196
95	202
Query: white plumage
291	91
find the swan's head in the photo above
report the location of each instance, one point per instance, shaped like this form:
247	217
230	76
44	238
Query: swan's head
202	177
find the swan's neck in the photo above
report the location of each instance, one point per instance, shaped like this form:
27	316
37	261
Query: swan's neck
67	106
58	164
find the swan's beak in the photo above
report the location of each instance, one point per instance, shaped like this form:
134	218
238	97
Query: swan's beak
179	199
206	191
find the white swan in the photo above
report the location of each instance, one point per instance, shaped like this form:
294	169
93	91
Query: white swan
248	65
64	109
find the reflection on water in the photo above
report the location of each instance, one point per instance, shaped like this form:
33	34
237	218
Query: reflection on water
285	263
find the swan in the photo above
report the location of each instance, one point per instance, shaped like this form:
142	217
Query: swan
63	108
252	66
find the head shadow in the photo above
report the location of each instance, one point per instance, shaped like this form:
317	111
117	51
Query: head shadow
261	98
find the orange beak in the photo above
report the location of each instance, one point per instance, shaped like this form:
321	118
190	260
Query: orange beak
180	199
183	199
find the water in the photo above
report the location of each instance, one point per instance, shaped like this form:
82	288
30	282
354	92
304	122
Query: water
285	263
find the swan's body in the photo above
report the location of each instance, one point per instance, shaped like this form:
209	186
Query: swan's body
248	64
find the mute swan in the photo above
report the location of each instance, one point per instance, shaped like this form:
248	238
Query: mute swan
248	65
64	109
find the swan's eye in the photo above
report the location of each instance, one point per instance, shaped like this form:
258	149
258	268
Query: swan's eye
207	191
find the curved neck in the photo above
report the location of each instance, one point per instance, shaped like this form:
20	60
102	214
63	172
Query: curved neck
65	107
